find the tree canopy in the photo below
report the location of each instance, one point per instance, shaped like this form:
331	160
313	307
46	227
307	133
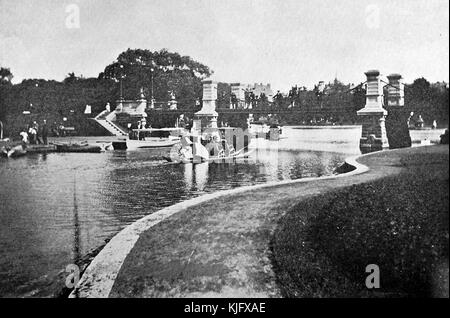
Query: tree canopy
163	71
5	81
172	72
5	75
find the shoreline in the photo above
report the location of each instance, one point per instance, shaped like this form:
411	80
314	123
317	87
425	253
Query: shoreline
193	254
404	232
108	260
83	263
96	251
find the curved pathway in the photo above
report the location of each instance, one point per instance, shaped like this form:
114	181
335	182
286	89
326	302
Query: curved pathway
219	245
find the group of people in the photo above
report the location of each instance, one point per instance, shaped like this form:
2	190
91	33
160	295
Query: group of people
419	122
35	134
215	147
140	125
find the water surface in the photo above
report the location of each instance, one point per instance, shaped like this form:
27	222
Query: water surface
55	208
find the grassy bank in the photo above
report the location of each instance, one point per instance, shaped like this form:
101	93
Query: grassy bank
322	246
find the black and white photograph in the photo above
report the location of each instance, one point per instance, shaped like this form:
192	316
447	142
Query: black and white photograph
220	154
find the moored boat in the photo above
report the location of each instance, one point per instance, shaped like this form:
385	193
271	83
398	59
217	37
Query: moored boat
262	130
78	148
150	138
14	152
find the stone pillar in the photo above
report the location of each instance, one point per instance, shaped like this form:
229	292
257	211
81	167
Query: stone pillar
373	115
119	105
208	114
397	120
141	104
196	127
152	103
239	91
396	91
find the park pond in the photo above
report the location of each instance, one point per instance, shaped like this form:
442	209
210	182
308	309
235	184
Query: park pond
57	207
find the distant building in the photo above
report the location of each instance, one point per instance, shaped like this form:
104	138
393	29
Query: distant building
237	95
258	89
238	91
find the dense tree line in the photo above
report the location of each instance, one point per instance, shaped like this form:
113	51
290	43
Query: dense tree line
336	103
428	100
37	99
162	73
136	69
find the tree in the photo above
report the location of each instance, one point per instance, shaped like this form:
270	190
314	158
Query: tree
418	98
420	89
158	73
5	75
5	85
71	77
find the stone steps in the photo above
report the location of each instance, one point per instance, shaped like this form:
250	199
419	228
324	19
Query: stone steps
111	127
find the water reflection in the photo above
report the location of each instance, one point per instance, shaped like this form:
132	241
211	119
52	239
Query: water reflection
189	176
196	176
201	175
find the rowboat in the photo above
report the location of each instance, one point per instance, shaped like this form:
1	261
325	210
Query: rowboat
151	143
17	151
78	148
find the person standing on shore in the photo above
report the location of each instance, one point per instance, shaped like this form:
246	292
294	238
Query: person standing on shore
45	132
32	133
24	136
36	128
434	126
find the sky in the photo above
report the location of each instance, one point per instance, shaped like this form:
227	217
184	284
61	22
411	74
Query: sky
282	42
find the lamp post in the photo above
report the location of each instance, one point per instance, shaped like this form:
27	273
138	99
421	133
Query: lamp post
152	100
151	79
121	85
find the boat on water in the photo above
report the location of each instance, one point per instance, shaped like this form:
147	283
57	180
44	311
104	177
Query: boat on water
149	138
262	130
13	152
258	128
78	147
216	159
217	151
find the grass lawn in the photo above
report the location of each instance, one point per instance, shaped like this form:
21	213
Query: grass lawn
322	247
